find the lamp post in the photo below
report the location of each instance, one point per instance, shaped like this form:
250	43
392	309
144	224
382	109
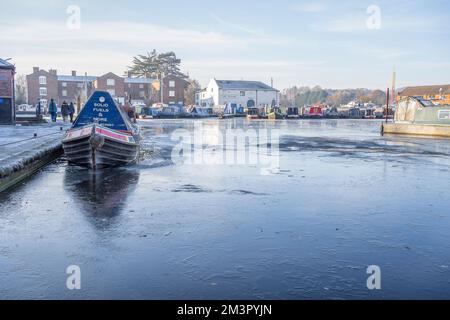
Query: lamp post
161	87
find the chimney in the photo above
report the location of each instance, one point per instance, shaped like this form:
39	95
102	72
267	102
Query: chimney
35	69
129	74
52	72
74	73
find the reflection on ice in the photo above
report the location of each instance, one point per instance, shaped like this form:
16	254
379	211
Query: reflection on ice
100	194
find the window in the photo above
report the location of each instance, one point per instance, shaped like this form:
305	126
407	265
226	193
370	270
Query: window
171	93
142	94
242	93
141	86
64	84
172	84
42	91
64	93
44	102
42	80
110	82
112	92
80	85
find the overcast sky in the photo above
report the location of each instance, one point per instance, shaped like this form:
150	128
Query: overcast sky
303	43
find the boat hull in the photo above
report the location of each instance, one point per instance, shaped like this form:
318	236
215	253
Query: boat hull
97	147
416	129
275	116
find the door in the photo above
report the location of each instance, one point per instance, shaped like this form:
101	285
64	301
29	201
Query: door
6	111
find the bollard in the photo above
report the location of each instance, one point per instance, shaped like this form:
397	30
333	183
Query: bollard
60	128
35	135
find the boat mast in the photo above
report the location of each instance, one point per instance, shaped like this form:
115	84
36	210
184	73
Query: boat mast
394	79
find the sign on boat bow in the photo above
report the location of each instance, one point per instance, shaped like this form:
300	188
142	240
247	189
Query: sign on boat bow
102	135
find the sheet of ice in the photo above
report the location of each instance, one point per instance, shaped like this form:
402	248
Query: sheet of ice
344	198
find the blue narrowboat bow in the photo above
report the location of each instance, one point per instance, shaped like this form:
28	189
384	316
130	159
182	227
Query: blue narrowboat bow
102	135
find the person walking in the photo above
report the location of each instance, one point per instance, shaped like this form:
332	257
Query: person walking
71	111
53	110
64	110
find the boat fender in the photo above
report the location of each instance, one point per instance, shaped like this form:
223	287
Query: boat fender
97	141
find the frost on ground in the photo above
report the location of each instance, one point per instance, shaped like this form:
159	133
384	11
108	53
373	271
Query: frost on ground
19	147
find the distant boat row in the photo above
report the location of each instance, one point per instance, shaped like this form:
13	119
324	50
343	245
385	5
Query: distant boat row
233	111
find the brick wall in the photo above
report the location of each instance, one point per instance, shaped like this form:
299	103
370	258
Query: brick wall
6	83
119	85
177	90
34	86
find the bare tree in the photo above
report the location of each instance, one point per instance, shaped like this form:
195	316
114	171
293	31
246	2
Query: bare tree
21	93
191	89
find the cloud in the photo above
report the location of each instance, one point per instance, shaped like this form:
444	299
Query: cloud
235	26
55	34
310	7
357	23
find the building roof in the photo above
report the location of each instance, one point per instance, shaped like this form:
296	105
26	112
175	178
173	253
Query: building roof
6	65
76	78
425	90
243	85
139	80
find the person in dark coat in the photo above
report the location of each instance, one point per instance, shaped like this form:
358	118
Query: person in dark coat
64	110
38	109
71	111
53	110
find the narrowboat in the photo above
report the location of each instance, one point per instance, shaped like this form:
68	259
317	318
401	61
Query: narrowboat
415	116
275	114
313	112
199	112
102	135
252	113
292	113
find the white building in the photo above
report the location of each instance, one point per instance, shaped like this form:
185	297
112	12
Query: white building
243	93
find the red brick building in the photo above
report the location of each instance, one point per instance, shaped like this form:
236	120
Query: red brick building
73	87
42	86
112	83
139	89
7	108
173	89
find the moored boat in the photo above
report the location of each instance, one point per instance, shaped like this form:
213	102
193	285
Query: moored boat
415	116
292	113
275	114
102	135
253	113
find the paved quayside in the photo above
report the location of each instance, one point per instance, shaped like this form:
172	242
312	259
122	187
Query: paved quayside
21	153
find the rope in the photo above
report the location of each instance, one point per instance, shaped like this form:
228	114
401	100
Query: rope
37	137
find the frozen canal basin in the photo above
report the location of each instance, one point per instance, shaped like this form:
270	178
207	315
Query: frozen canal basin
341	199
